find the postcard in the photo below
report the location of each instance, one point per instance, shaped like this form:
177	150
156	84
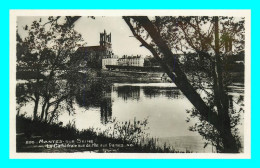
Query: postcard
130	84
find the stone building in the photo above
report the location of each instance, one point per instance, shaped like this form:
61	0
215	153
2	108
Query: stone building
109	60
102	55
131	61
91	56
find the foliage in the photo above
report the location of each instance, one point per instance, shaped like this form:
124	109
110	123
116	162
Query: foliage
28	129
205	44
129	131
46	50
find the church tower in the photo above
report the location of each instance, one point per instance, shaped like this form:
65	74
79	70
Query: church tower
105	43
105	39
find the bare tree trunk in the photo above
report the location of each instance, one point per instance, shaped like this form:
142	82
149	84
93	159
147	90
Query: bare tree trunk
36	102
221	99
53	113
18	112
37	96
46	112
57	103
43	108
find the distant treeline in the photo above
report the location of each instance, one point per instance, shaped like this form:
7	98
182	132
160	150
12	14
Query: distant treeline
137	68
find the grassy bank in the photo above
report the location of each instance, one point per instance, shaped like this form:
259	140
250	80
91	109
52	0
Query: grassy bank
37	136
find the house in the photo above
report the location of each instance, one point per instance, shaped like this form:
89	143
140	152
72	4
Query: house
109	60
131	61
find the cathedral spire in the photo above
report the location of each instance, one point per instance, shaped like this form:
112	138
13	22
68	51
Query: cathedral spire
105	39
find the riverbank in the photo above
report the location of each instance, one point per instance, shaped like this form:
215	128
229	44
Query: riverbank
124	76
37	136
133	76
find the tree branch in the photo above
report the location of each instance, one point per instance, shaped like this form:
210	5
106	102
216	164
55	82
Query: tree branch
181	80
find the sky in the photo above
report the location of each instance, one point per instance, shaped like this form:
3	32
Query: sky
90	29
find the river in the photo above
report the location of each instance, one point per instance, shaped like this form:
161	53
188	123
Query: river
162	104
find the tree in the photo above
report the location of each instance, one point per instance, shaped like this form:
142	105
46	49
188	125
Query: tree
46	52
160	37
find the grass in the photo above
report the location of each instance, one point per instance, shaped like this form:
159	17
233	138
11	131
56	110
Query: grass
127	134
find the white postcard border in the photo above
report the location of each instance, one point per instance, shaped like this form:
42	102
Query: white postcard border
12	83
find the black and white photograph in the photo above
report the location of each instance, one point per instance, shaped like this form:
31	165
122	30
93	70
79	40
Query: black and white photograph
130	83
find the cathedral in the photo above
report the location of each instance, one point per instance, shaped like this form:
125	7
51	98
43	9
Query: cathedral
97	56
102	55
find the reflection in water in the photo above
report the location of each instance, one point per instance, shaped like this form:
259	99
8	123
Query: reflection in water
96	96
102	98
106	110
128	92
164	106
169	92
92	95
